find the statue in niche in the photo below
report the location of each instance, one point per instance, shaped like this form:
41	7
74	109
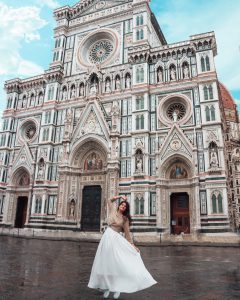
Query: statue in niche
172	73
160	75
64	94
128	82
72	209
139	161
41	167
68	123
115	112
185	72
108	86
118	84
73	92
81	93
40	99
93	162
94	87
178	172
213	159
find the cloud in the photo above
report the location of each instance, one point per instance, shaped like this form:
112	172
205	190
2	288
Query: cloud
18	25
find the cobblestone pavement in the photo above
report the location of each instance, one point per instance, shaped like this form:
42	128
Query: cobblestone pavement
51	270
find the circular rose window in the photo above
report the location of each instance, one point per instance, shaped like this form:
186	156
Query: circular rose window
174	108
100	51
98	47
28	130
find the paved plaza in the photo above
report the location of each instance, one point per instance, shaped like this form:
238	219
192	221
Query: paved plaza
55	270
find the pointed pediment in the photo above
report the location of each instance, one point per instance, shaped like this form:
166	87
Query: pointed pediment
176	143
24	159
92	121
86	7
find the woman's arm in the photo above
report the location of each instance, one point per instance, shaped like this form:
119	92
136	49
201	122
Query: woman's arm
113	199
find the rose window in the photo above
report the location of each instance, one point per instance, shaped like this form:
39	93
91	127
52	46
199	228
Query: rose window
176	111
30	131
100	51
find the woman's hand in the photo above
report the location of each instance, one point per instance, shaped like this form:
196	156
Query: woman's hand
124	198
136	248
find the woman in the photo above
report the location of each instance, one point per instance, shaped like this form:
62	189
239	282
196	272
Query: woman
118	266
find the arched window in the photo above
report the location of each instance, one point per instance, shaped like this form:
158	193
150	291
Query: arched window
141	20
32	100
207	63
139	206
212	109
140	75
38	206
203	64
210	90
217	205
207	113
140	122
138	20
214	204
205	90
220	206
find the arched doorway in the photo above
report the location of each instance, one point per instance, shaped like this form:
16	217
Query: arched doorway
91	208
21	212
180	220
21	181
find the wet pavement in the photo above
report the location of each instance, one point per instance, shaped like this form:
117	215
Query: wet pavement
55	270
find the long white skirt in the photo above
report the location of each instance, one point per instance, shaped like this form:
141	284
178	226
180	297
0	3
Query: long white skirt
118	266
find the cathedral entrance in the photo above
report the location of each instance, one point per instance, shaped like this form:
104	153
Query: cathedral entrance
180	220
91	208
21	213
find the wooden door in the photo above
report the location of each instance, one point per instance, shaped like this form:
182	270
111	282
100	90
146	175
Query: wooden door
21	213
91	208
180	220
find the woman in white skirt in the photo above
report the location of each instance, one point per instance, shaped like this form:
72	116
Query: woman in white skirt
118	266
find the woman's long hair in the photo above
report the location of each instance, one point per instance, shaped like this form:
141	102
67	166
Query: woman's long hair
126	213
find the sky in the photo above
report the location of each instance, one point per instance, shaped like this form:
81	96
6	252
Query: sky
26	32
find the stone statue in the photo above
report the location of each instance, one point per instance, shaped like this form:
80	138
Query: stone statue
213	159
41	166
40	100
160	75
139	163
128	82
64	94
175	116
185	72
173	74
72	209
82	90
73	93
118	84
108	86
94	88
115	111
68	123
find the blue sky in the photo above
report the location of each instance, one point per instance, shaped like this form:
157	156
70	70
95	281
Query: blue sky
26	31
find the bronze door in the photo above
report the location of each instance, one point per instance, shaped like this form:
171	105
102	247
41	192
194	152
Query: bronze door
180	221
21	213
91	208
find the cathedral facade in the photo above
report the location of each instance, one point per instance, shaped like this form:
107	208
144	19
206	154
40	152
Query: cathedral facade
121	111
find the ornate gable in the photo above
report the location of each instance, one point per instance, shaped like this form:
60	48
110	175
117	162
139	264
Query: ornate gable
23	159
92	122
176	143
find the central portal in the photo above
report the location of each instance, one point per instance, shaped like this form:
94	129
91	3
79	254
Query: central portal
91	208
180	221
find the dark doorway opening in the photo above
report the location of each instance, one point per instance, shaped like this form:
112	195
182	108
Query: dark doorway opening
180	219
21	213
91	208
